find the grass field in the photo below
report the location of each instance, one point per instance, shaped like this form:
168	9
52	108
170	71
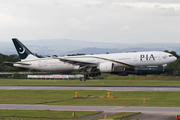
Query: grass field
43	114
111	80
121	115
53	115
64	97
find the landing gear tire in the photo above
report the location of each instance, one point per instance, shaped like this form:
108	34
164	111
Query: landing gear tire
92	74
86	76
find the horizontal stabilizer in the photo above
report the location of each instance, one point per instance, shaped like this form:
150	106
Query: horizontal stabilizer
17	63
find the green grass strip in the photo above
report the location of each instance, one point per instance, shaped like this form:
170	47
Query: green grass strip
112	80
121	115
64	97
43	114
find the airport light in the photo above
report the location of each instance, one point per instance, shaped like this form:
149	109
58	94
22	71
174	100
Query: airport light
73	114
104	117
76	94
109	94
178	117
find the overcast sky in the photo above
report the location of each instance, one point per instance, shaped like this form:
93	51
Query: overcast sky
122	21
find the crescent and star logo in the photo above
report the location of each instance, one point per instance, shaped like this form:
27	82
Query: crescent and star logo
21	50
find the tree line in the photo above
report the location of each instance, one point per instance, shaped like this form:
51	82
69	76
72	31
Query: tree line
4	67
174	67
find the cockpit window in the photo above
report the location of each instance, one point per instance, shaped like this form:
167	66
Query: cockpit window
170	55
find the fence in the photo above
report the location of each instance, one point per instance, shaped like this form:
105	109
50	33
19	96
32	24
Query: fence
55	76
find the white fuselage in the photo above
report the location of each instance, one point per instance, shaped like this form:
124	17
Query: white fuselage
133	59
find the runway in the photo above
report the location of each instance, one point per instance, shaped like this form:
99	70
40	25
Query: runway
107	88
89	108
147	113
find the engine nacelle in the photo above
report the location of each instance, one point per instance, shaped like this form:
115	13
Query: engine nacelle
106	67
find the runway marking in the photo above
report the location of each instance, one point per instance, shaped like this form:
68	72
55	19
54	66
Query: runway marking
114	108
158	89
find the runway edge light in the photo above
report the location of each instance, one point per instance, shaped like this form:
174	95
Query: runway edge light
109	94
73	114
76	94
104	117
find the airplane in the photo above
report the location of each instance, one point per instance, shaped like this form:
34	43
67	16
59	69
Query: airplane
93	64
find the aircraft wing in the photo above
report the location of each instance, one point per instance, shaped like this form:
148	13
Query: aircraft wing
77	62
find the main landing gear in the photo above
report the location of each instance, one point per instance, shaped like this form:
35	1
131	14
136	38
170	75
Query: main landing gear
92	74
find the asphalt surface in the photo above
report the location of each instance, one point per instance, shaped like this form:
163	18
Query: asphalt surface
120	88
147	113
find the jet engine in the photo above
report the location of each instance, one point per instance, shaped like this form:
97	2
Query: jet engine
106	67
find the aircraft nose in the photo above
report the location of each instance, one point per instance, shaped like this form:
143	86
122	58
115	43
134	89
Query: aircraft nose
174	58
